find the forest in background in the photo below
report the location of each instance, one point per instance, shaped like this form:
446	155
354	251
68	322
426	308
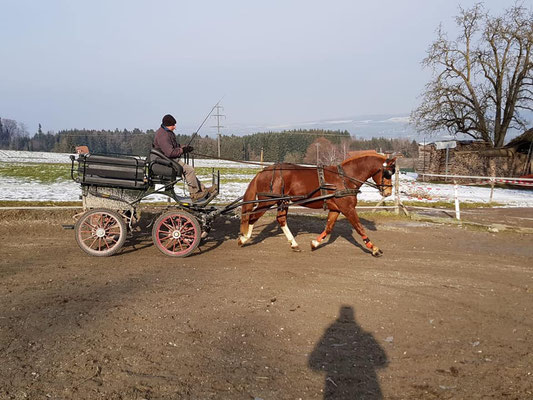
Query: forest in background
295	146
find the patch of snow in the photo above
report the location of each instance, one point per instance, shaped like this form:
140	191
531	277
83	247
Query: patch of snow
340	121
38	157
402	120
30	190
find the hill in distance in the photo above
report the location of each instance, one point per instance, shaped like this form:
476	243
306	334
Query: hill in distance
362	127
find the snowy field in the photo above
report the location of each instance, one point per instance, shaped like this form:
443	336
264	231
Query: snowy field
13	156
31	190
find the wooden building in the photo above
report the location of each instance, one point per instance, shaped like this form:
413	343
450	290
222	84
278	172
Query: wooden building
477	158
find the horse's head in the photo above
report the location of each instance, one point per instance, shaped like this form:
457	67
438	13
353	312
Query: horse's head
360	168
383	176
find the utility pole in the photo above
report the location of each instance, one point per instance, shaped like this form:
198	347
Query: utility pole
344	151
218	126
317	144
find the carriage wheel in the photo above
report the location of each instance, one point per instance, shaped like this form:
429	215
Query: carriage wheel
176	233
100	232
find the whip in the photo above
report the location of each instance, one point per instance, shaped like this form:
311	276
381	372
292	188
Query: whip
205	119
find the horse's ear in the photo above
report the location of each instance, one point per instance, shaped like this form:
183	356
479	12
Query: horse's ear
391	160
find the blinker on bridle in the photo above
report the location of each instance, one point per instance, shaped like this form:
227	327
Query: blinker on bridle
387	174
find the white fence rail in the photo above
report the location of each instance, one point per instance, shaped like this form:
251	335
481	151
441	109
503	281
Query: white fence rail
477	181
237	178
488	179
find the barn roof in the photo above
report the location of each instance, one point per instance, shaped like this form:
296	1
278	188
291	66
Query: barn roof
524	140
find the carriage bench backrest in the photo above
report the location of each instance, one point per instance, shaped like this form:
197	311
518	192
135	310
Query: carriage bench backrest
123	171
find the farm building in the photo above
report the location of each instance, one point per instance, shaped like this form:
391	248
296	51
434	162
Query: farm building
477	158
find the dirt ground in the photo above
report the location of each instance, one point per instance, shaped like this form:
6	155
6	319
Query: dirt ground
445	313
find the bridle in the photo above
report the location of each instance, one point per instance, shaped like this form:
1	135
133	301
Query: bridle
387	171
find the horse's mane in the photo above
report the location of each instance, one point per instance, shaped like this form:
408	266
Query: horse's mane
369	153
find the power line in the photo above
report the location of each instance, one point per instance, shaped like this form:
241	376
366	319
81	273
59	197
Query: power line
218	126
318	134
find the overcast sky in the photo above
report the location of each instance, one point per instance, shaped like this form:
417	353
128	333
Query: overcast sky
124	64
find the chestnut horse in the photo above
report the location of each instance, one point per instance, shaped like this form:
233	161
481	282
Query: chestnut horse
298	182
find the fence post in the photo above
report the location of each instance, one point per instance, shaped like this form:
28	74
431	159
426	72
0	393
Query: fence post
397	191
492	181
457	210
381	202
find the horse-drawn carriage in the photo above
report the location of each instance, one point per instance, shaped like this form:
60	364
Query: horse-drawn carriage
113	186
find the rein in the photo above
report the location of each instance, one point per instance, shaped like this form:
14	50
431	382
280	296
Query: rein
237	161
340	170
374	185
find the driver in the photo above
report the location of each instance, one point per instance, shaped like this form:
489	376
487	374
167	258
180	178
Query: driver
165	141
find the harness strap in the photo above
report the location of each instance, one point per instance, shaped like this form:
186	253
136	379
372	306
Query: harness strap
272	179
341	174
280	176
346	192
322	183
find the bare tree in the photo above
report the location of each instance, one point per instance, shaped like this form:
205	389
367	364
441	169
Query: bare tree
323	152
10	130
483	79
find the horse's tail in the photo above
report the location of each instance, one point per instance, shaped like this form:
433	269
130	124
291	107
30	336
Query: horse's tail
249	195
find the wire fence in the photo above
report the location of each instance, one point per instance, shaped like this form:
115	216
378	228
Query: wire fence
483	189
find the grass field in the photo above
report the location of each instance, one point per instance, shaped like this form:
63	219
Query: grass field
42	173
32	181
48	173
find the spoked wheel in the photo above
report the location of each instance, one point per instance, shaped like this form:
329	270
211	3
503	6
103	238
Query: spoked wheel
176	233
100	232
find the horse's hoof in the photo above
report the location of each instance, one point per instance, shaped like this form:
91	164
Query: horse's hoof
240	243
377	252
296	249
314	245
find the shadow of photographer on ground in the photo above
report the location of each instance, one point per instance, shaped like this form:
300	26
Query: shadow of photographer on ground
350	357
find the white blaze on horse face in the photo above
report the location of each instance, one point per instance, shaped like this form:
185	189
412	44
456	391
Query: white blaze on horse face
387	191
288	233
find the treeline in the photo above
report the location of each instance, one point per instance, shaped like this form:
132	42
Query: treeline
295	146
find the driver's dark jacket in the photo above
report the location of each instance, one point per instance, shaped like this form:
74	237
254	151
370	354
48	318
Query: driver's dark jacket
165	141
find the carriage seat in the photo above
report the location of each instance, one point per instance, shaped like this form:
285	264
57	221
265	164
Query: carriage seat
161	169
118	171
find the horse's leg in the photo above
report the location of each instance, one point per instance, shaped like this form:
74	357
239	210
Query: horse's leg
332	218
253	216
246	226
245	236
282	221
351	215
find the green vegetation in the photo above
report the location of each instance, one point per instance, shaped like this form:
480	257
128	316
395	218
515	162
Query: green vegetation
224	172
440	204
44	173
49	173
294	146
18	203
